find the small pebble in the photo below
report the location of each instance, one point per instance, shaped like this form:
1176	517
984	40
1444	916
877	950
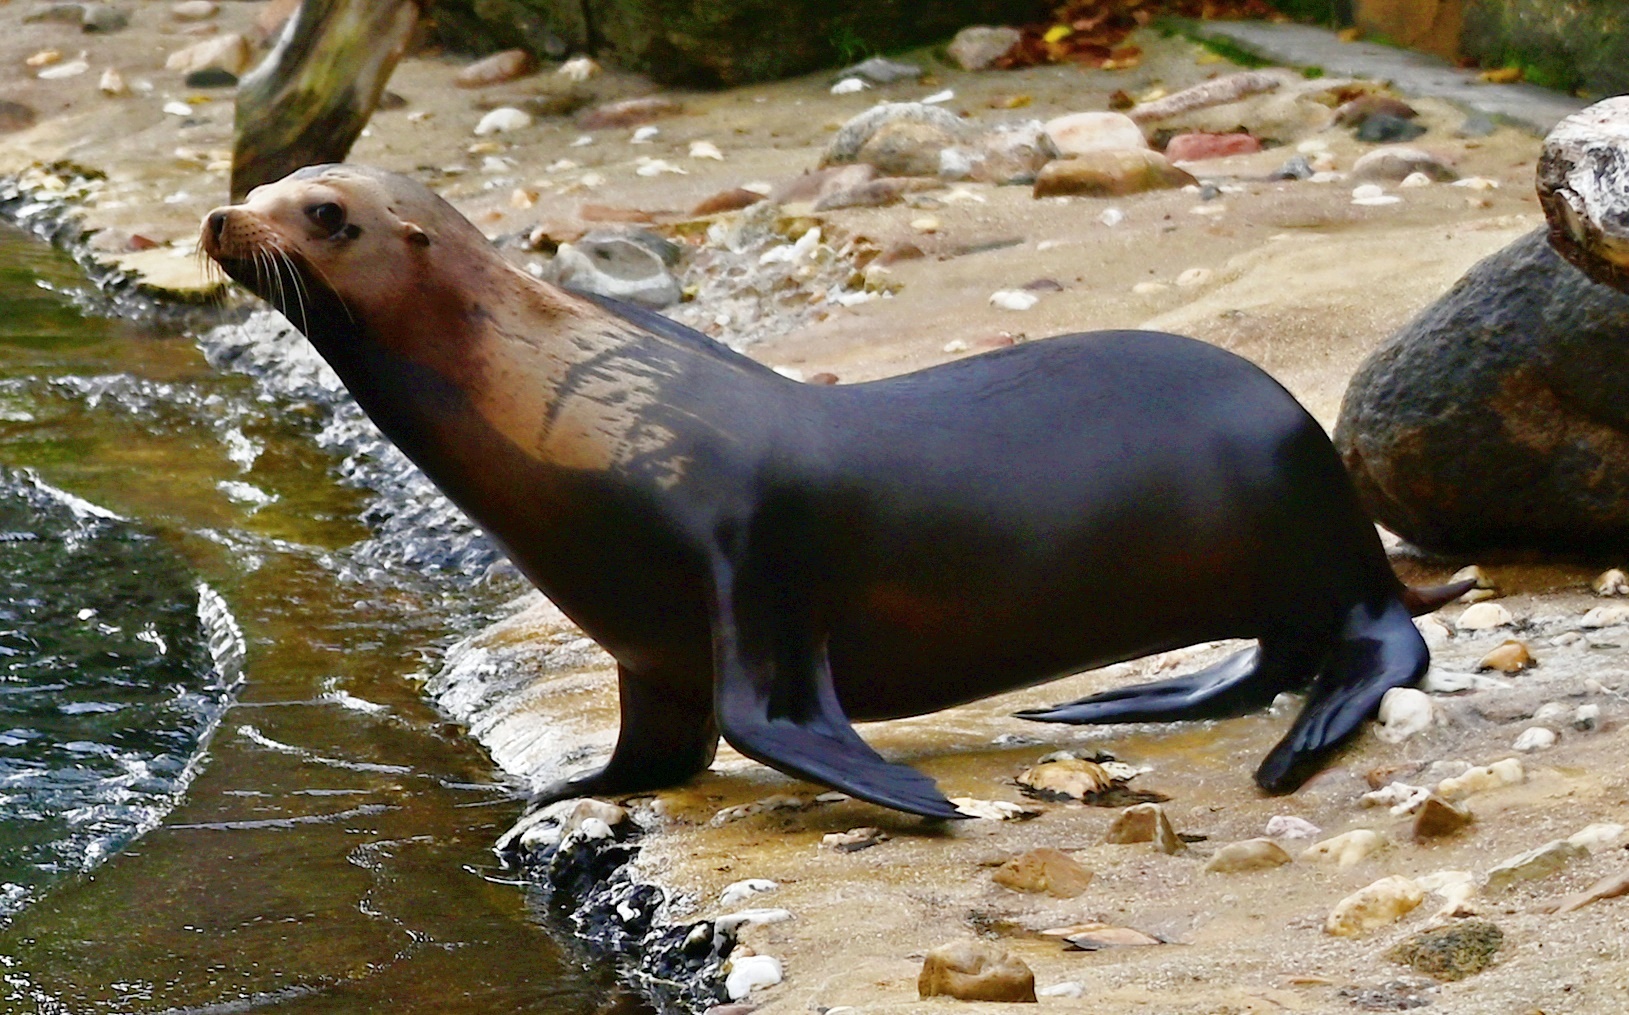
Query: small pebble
578	68
1249	855
1404	711
1066	988
1434	631
1535	863
740	891
929	224
1611	583
750	972
112	83
1347	848
705	150
1150	288
1288	826
1605	616
1535	738
1437	818
1384	902
1111	217
1193	277
1488	616
1044	870
1416	180
1598	835
177	108
853	840
1145	823
1371	194
1586	717
1511	657
1463	948
848	86
975	971
499	67
57	72
194	10
1507	772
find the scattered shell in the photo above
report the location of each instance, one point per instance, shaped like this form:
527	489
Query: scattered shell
975	971
1535	738
44	58
1347	848
1013	299
1511	657
230	53
1539	862
988	810
1455	888
1508	772
1373	194
738	892
647	166
1193	277
750	972
1150	288
578	68
1400	797
1404	711
502	120
853	840
177	108
1611	583
705	150
1487	616
779	802
1249	855
71	69
938	97
848	86
1093	937
1384	902
929	224
731	923
1288	826
1437	818
1063	988
1605	616
1413	180
645	134
112	83
1044	870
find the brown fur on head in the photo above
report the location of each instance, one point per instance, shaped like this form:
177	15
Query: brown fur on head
384	248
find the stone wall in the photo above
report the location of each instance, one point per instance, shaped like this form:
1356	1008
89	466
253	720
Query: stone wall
718	42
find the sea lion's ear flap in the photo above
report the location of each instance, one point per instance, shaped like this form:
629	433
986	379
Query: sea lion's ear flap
416	236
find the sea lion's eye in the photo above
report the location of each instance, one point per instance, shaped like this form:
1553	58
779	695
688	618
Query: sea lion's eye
328	216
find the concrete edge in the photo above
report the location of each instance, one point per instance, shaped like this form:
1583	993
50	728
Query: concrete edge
1525	107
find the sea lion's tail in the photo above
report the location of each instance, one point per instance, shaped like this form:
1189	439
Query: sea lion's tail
1379	648
1426	600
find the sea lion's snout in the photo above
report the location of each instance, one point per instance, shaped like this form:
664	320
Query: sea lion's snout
215	231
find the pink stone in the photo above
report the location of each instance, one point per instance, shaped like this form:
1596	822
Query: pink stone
1193	147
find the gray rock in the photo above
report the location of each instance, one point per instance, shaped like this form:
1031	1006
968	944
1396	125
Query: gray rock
881	71
979	47
1495	419
1383	128
622	265
104	18
851	139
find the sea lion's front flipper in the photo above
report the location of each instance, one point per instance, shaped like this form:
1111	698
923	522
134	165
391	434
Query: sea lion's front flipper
1243	682
775	703
1379	649
667	736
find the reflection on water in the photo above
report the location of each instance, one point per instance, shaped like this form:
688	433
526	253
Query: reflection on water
330	854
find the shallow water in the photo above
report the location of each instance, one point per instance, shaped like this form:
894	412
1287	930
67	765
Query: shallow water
300	831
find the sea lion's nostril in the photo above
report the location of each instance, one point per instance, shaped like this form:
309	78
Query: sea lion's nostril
217	223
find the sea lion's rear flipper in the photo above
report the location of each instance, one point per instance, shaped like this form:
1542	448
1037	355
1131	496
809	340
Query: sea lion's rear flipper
775	703
1241	683
1379	649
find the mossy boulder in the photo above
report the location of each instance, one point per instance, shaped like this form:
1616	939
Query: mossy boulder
717	42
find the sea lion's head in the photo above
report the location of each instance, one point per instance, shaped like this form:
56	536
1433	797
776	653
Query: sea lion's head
346	247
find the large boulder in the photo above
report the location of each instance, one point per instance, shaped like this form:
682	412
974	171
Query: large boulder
717	42
1496	419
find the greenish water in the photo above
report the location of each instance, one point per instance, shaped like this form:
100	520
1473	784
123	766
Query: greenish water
330	852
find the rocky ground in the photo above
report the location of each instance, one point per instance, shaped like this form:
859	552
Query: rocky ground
1291	273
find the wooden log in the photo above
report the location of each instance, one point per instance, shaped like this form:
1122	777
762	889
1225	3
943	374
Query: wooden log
308	101
1583	184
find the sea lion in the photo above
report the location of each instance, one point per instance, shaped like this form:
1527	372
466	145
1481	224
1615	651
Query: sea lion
768	560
